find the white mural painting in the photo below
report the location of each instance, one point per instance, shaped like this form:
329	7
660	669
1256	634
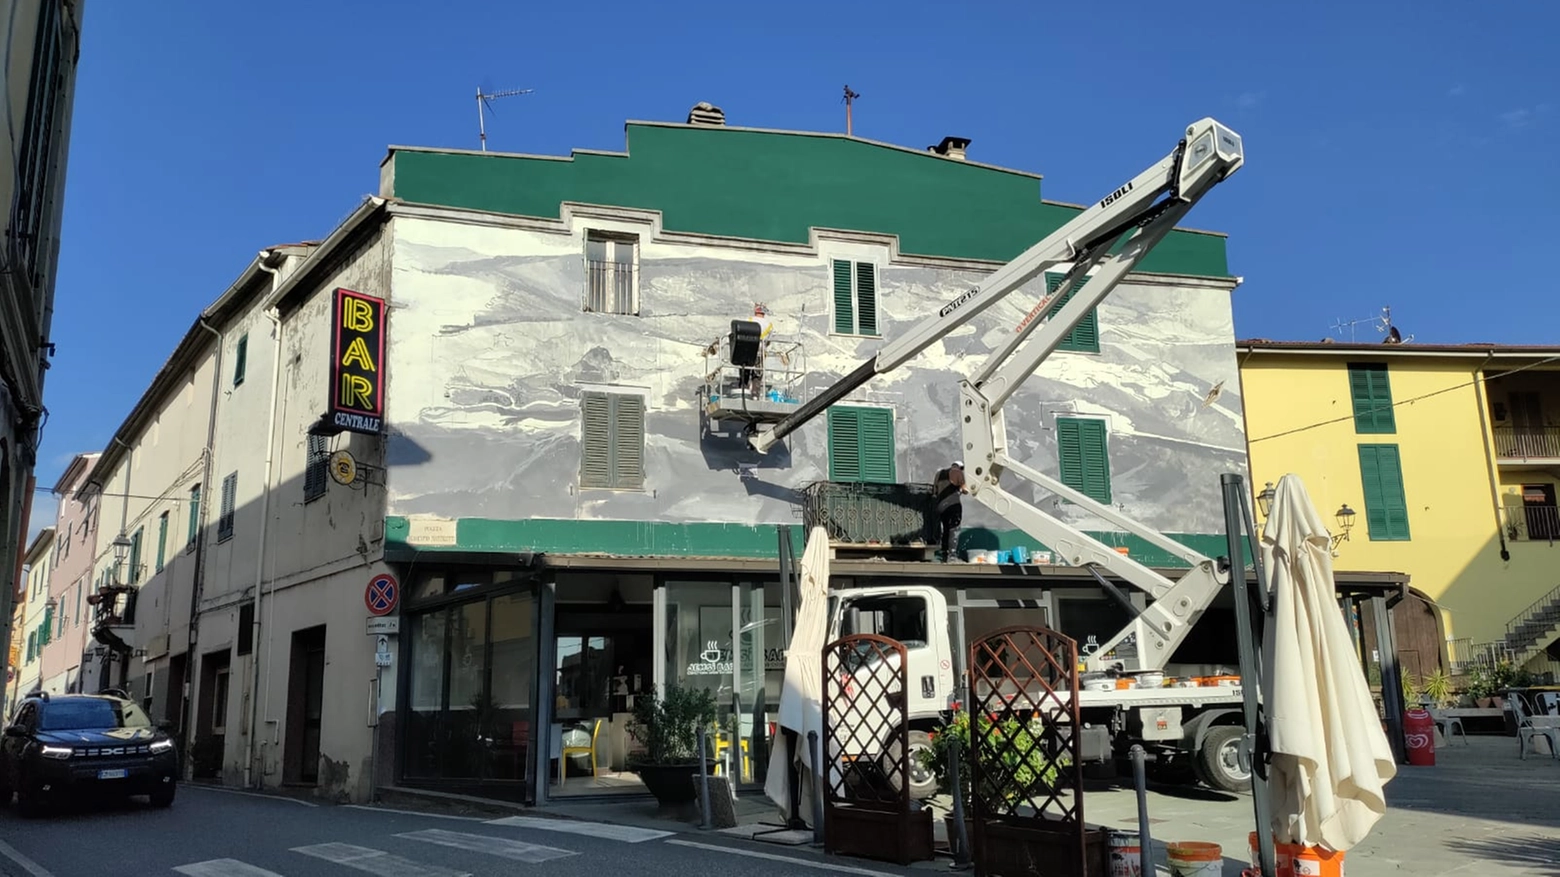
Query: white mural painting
490	348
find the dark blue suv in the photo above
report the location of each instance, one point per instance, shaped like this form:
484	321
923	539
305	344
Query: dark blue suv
62	746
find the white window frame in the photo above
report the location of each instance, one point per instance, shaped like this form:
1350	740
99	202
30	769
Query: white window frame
609	301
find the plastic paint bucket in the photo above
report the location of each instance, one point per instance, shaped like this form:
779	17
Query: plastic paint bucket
1299	860
1196	859
1126	856
1004	557
1020	554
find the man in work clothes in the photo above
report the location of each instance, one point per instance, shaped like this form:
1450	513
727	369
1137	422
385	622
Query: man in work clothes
947	486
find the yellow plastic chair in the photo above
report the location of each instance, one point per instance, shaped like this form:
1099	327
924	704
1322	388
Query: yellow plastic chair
723	743
563	759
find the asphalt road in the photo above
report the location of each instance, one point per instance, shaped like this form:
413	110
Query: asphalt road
217	833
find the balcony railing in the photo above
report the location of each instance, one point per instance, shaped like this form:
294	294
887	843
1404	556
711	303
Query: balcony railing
1533	523
1527	442
872	514
610	288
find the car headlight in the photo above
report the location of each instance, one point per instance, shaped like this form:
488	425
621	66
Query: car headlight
161	746
59	752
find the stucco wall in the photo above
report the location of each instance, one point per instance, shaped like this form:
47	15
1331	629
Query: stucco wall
71	580
489	348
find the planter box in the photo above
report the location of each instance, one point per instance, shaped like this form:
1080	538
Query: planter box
1022	851
872	514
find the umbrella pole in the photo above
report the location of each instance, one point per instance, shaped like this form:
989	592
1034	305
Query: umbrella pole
1236	512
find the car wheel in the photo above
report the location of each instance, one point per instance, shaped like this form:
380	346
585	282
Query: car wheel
1219	760
162	796
923	783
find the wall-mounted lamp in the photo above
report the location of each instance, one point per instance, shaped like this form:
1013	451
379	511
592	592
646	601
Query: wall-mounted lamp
121	546
1265	499
1344	515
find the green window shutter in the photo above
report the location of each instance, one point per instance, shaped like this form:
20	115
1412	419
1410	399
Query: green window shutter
866	298
628	442
240	360
46	630
135	556
1371	392
1085	337
861	445
193	530
1083	456
844	299
1386	506
162	540
595	440
844	444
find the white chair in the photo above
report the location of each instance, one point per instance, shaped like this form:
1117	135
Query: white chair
1527	729
1447	725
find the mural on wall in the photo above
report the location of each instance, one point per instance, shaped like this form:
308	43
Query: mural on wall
492	348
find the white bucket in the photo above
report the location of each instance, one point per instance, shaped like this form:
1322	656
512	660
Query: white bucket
1126	857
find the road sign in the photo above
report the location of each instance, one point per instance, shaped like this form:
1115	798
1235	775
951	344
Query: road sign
381	594
379	626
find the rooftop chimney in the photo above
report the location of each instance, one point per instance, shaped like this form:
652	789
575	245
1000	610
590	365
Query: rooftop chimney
705	113
952	147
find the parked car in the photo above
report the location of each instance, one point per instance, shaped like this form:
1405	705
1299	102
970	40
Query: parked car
62	746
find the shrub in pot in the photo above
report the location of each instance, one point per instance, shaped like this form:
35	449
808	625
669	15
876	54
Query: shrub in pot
667	723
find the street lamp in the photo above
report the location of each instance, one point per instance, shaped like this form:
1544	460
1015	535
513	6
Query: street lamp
1265	499
121	546
1345	516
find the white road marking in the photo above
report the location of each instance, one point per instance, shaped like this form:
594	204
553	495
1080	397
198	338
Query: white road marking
773	857
493	846
224	868
373	809
26	864
624	833
205	788
376	862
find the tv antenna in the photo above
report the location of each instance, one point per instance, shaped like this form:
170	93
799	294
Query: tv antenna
484	102
1383	323
850	98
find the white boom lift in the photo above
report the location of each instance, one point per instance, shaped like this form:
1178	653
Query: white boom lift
1209	154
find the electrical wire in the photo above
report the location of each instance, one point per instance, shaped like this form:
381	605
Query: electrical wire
1409	401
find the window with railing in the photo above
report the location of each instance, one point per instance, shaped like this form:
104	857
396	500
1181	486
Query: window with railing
1527	442
611	275
1534	514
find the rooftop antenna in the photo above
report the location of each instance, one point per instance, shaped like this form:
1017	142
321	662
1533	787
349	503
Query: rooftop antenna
485	101
850	98
1383	323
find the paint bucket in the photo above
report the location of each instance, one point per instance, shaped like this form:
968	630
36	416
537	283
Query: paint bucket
1020	554
1126	856
1004	556
1196	859
1299	860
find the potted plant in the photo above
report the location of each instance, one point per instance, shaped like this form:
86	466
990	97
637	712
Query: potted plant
667	723
1438	689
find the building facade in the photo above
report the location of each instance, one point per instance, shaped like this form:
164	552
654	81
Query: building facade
1449	455
42	45
39	614
461	453
70	580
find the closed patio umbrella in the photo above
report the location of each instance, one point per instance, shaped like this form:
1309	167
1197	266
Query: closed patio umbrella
1330	758
801	700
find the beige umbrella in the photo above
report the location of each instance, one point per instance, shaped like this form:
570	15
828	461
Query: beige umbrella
801	700
1330	757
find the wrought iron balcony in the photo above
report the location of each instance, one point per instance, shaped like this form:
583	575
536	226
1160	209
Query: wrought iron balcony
872	514
1533	523
1527	442
610	288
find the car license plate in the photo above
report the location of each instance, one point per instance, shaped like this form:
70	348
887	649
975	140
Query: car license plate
115	774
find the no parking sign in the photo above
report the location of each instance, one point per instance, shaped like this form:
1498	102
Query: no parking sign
382	594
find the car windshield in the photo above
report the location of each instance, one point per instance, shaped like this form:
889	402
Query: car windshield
91	714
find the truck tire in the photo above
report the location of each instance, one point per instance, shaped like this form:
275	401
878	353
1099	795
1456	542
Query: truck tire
923	783
1218	760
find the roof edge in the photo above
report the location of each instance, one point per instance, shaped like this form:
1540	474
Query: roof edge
35	547
1324	348
79	463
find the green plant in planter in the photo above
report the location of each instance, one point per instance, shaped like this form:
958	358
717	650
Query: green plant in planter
1016	767
1438	688
1410	690
668	725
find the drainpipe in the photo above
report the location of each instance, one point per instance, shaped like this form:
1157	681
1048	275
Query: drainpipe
253	778
198	582
1488	431
124	521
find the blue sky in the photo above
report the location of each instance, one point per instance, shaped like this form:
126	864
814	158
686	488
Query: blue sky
1398	154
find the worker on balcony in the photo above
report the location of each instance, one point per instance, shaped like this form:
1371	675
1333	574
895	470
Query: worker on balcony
947	486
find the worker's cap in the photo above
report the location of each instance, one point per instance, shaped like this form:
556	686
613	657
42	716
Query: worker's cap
959	464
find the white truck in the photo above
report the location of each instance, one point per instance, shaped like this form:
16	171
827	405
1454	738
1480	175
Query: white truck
1191	732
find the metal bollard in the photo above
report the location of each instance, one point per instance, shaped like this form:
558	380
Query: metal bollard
817	795
1140	781
962	861
707	820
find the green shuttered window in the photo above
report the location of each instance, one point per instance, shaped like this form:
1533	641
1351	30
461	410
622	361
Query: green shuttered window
1084	458
1372	395
861	445
1386	507
135	556
1085	337
162	540
855	298
192	529
612	441
240	359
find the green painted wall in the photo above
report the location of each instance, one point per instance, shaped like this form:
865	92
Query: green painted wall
659	539
776	186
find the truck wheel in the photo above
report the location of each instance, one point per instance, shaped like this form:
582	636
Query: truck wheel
923	783
1218	760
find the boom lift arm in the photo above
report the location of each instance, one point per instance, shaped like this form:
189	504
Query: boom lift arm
1205	157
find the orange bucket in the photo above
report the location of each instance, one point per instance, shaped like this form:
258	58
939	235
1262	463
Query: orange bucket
1298	860
1195	859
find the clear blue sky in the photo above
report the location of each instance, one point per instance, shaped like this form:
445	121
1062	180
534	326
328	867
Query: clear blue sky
1399	154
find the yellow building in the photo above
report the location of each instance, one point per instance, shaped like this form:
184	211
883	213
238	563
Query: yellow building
1448	455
